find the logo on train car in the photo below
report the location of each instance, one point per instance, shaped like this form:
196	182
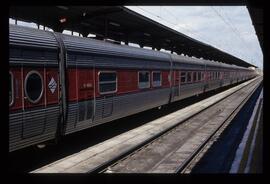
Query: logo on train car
52	85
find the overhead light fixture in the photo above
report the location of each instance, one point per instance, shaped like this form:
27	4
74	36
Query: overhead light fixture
63	7
114	24
62	20
146	34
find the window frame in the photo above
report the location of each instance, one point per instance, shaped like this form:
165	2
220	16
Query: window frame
202	76
153	79
190	77
199	76
194	76
181	77
25	84
116	82
12	89
138	75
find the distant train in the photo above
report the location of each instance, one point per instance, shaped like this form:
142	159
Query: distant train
60	84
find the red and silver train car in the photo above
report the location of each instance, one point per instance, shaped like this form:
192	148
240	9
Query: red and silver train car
60	84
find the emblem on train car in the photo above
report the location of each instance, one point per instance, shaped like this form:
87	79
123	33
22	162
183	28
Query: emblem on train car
52	85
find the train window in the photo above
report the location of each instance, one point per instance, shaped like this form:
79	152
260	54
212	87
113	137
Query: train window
199	76
144	81
189	77
107	82
156	79
194	76
33	86
11	91
202	75
183	77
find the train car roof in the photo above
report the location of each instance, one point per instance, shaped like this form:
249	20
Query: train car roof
29	37
186	60
25	36
89	45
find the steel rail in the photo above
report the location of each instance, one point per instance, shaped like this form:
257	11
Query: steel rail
192	157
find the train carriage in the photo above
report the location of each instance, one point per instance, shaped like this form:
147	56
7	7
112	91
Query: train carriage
106	81
60	84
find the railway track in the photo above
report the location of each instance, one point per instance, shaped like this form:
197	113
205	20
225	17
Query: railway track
178	149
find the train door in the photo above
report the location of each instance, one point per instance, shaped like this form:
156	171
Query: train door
176	84
107	81
85	95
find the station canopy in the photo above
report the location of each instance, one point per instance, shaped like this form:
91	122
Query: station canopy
121	25
256	14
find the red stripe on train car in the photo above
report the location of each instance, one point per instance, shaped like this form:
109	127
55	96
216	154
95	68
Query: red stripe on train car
17	89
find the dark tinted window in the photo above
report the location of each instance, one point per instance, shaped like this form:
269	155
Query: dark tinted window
107	82
156	79
194	76
189	77
104	77
183	77
144	77
33	87
199	76
144	81
109	87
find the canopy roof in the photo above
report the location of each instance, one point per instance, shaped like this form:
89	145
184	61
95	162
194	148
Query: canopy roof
120	24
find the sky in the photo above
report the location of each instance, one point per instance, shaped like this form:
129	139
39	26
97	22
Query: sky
228	28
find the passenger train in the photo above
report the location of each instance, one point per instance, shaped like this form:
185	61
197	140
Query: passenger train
60	84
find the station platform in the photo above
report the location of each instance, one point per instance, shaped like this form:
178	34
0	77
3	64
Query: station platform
249	155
